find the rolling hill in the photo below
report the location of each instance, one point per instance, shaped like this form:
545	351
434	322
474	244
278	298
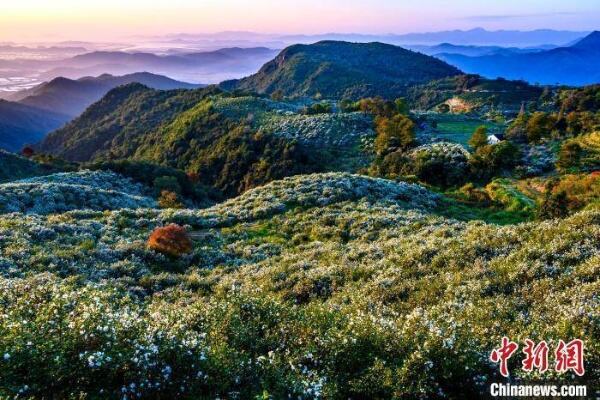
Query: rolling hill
117	121
22	124
232	142
13	167
72	97
94	190
302	281
334	69
573	65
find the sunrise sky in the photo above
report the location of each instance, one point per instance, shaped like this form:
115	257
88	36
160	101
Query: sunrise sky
49	20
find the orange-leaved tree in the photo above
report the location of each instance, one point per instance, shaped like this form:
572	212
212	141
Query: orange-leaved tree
172	240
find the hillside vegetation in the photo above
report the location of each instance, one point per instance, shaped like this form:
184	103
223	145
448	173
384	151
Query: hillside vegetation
475	92
68	191
13	167
321	286
232	143
114	125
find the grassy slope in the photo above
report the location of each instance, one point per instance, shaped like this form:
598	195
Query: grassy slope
13	167
459	128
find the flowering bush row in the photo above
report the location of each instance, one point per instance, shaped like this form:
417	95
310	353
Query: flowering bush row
68	191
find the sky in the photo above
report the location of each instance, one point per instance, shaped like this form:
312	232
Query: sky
110	20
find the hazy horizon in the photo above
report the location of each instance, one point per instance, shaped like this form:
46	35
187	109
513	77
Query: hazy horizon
109	20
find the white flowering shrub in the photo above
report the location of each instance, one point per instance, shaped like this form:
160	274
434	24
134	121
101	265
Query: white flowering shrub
440	163
68	191
322	129
321	286
447	150
250	106
537	159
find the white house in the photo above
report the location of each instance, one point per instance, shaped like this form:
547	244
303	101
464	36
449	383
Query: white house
495	138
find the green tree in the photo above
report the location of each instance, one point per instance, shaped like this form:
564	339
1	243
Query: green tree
277	95
401	106
569	155
538	126
166	183
378	107
517	130
318	108
169	199
397	132
490	160
479	138
554	205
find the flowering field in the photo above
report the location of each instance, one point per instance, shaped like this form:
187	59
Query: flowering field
320	286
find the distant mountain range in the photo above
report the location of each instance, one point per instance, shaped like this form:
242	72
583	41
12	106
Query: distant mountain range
476	36
21	124
343	70
482	37
204	67
207	67
577	64
72	97
139	60
475	51
197	67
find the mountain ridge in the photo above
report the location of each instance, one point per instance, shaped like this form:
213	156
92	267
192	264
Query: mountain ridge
71	97
334	69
